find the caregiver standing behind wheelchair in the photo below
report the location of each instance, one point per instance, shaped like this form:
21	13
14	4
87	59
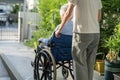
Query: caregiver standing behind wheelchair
68	27
86	34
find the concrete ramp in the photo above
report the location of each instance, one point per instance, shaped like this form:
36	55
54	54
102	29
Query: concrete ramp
3	73
17	60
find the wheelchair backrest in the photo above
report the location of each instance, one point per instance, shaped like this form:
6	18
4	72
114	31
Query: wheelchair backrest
62	41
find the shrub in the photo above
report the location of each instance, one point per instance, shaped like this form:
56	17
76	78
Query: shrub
113	43
110	18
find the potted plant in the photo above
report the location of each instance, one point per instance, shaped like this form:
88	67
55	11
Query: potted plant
112	62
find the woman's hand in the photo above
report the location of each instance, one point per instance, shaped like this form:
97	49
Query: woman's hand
57	33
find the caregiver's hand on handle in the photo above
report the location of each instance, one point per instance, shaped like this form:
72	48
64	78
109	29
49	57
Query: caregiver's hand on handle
57	33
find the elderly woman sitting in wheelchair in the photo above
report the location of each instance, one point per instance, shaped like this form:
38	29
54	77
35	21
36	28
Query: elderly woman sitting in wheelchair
54	53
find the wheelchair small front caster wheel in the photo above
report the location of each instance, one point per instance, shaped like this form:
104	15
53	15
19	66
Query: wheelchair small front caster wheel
65	72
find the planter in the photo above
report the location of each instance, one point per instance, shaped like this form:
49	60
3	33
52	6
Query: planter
110	69
116	76
99	66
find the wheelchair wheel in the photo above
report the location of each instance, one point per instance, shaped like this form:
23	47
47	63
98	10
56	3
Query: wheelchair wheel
71	69
65	72
34	64
46	66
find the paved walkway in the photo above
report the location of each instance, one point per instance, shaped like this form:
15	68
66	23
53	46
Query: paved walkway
19	58
3	73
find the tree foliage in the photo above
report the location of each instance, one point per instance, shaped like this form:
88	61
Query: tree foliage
15	8
110	18
49	13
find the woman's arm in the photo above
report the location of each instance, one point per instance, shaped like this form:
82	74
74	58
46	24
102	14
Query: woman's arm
99	15
64	19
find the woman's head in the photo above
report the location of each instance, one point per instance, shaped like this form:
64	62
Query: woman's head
63	9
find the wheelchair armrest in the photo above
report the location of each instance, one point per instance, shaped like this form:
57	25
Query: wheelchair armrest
43	40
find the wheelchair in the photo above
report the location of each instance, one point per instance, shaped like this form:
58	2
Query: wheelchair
49	58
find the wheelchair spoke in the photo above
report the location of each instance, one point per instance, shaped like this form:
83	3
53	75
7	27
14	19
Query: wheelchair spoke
42	77
41	62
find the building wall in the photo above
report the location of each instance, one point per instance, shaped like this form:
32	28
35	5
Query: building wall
26	22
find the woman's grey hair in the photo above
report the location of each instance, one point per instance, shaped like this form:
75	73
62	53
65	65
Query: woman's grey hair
63	9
